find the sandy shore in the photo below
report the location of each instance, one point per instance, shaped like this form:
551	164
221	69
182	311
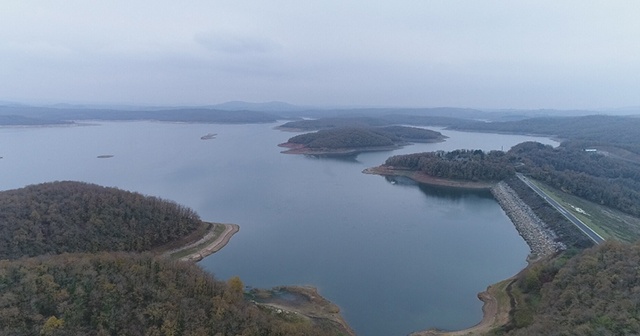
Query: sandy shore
210	243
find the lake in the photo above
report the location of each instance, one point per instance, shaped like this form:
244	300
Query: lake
395	256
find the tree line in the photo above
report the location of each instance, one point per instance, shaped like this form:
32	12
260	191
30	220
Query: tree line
568	167
461	164
592	176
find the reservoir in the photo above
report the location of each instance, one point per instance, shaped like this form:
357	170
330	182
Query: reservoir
395	256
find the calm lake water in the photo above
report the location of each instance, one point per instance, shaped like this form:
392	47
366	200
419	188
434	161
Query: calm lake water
395	256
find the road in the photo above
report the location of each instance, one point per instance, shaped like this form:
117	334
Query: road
573	219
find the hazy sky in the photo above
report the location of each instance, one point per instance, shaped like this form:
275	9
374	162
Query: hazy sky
487	54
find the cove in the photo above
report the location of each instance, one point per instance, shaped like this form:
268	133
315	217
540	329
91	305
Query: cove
395	256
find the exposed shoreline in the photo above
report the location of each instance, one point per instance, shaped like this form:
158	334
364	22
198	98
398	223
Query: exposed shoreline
537	235
210	243
427	179
494	314
304	301
302	149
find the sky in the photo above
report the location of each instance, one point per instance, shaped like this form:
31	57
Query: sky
483	54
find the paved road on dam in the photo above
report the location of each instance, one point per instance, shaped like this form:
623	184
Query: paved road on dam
573	219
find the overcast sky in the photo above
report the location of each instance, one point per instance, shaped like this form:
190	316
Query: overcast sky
485	54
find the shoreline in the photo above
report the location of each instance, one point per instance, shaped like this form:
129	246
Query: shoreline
301	149
428	179
302	301
494	313
537	235
205	246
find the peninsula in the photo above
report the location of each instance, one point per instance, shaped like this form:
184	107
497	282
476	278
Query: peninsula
98	260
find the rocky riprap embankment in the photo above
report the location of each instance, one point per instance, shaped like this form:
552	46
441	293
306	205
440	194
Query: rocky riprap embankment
541	239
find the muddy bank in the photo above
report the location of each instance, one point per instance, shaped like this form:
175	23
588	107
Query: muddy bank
304	302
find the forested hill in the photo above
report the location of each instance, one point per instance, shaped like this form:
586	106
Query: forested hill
130	294
461	164
594	293
364	137
589	175
623	131
57	217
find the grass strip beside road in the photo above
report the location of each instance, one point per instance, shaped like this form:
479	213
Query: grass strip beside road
608	223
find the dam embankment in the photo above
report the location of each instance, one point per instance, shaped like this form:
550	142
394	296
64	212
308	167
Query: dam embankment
539	236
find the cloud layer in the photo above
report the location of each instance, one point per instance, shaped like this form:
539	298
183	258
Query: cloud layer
499	54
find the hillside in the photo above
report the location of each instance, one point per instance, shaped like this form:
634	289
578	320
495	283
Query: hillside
79	282
31	115
593	293
130	294
594	130
59	217
590	175
354	139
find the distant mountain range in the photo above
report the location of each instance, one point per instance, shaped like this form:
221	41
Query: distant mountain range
12	113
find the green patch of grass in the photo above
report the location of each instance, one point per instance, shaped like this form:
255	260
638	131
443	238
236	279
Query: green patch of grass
607	222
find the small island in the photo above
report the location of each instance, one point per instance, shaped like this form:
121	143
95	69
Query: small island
208	136
354	140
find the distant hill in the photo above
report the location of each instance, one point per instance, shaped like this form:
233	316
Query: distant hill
59	217
31	115
15	120
600	128
273	106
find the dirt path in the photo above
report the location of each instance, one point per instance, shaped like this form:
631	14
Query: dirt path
212	244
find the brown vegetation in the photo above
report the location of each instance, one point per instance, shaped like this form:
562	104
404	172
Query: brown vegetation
59	217
128	294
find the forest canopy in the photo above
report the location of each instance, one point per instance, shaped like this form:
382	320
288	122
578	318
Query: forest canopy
364	137
96	291
129	294
594	293
58	217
